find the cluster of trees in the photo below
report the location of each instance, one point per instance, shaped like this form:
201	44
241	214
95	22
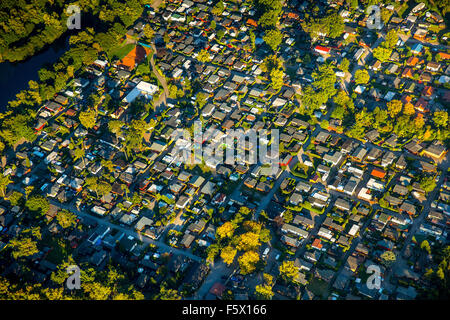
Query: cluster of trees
100	187
110	284
330	25
438	275
384	50
38	203
133	135
27	26
26	243
288	274
110	20
275	68
269	12
388	258
240	237
441	6
396	117
264	291
203	56
16	127
322	89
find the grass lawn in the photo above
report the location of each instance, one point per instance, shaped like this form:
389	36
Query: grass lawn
121	51
318	287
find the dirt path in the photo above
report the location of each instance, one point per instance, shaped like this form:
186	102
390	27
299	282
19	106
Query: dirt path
162	98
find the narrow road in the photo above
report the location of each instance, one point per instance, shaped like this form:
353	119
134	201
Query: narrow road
416	225
127	231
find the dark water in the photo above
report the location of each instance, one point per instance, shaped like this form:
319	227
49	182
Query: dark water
14	77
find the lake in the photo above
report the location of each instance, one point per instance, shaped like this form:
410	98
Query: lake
14	77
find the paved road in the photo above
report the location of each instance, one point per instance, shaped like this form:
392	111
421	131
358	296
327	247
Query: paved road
126	230
416	225
218	270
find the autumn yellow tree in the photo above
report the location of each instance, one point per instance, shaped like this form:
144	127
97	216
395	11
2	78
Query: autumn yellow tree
228	253
23	247
419	122
394	107
4	182
252	226
87	118
288	271
203	56
248	261
408	109
248	241
264	292
226	230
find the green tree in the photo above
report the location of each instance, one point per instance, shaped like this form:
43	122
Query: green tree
269	18
388	258
92	184
87	118
425	245
38	203
247	262
228	253
226	230
148	32
4	182
24	247
104	188
252	39
440	118
264	292
361	76
288	271
391	39
248	241
287	216
427	184
212	252
16	198
324	124
394	107
115	127
220	34
344	65
324	80
218	8
382	54
276	78
202	98
273	38
66	219
336	25
203	56
79	153
168	294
